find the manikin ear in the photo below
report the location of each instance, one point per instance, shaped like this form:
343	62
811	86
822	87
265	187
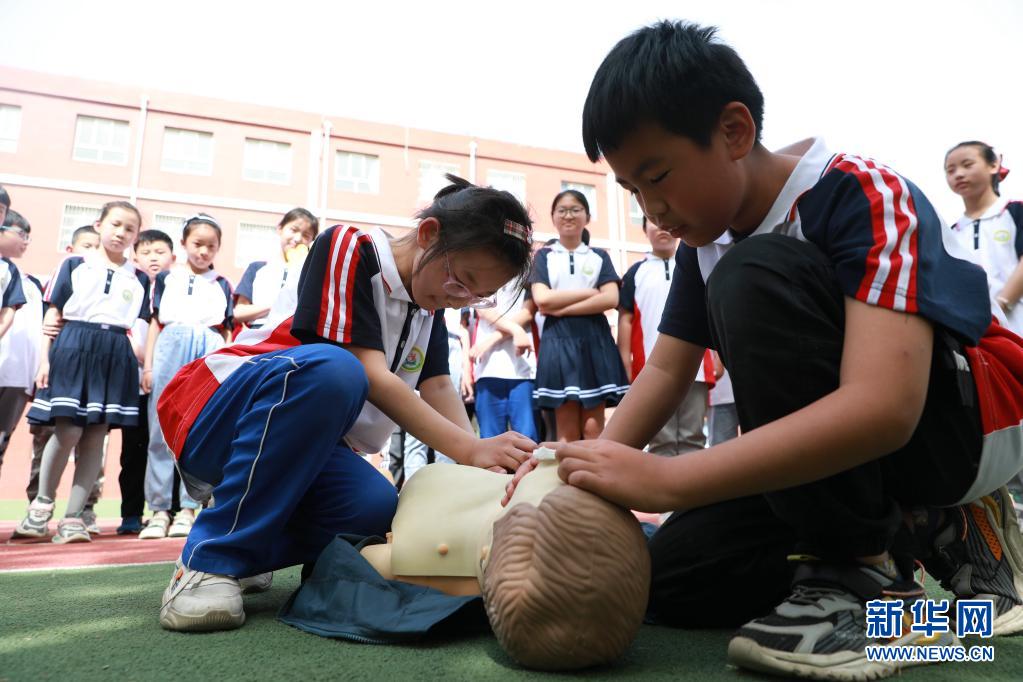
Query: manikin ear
738	129
427	232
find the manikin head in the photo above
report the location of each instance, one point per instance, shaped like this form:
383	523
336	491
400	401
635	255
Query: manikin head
566	582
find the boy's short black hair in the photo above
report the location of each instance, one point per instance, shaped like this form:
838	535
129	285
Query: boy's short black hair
672	73
15	219
5	198
84	229
150	236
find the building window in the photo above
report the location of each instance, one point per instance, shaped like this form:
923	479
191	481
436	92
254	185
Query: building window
10	127
73	217
256	241
101	140
635	212
589	191
171	223
187	151
431	178
267	161
355	172
515	183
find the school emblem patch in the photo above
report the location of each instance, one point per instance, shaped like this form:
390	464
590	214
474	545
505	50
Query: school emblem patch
1001	236
414	360
588	269
126	295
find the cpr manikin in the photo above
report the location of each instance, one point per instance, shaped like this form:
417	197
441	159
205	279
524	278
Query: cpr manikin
564	574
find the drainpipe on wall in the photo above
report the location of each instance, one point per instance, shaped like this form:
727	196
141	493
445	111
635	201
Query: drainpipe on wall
325	169
140	135
472	161
405	152
616	228
313	183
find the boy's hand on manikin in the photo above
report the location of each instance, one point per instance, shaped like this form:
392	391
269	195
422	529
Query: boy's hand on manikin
502	453
628	477
523	469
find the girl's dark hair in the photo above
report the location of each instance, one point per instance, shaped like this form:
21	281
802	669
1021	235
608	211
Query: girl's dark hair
579	196
674	74
200	219
298	214
126	205
987	152
473	217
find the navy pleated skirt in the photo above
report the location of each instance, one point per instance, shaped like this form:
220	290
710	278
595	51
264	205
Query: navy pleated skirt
578	361
94	378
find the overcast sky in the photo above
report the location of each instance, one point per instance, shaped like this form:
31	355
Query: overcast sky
900	81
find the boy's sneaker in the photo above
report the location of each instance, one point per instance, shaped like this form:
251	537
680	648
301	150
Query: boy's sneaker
36	523
977	553
157	527
182	525
197	601
130	525
71	529
820	631
256	583
89	519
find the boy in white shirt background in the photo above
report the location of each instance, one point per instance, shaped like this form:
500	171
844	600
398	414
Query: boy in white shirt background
19	345
640	305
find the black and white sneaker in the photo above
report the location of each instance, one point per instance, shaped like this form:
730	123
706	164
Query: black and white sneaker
977	553
820	630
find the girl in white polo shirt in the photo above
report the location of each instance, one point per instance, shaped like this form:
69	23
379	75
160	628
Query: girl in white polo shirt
88	379
988	233
192	308
579	370
263	279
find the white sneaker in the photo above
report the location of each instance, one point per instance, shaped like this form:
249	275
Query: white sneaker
157	527
71	529
91	525
196	601
256	583
36	523
182	525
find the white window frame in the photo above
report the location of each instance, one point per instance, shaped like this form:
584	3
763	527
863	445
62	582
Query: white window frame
171	223
589	191
90	214
346	180
183	165
10	127
249	247
267	161
431	177
509	181
635	212
88	140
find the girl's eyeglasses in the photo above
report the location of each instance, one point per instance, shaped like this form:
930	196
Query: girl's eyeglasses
456	289
574	210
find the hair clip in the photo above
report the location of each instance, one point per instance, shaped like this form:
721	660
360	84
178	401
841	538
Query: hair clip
202	218
518	231
1002	170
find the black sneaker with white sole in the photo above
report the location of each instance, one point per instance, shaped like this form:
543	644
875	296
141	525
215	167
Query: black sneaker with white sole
820	630
977	553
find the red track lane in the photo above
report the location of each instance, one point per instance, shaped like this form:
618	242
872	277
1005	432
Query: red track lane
106	549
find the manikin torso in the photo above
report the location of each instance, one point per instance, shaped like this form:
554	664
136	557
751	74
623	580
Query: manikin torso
442	531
